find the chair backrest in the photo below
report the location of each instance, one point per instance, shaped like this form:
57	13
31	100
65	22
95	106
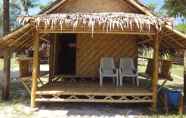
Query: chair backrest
107	63
149	69
127	64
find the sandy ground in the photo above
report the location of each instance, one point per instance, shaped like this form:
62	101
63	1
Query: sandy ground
72	110
19	106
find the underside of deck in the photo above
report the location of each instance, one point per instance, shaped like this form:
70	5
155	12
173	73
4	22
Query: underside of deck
89	91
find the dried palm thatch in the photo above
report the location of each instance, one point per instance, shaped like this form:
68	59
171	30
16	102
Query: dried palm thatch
108	21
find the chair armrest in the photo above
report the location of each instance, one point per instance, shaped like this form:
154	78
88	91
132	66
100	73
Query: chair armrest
100	69
120	69
134	70
114	70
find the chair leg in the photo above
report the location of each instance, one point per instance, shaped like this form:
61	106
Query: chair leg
121	81
113	80
100	81
137	81
117	82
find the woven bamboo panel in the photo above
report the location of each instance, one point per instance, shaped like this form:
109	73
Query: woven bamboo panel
96	6
91	50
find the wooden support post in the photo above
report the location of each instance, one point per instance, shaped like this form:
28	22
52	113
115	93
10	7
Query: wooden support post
184	91
54	55
51	60
155	72
6	75
36	69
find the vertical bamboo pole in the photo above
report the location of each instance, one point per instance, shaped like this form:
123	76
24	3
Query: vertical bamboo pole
36	70
54	55
155	72
6	75
51	60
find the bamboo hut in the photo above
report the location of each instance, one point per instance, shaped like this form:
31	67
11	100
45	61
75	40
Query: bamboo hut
80	33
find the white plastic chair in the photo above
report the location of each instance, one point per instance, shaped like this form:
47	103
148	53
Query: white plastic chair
108	69
127	69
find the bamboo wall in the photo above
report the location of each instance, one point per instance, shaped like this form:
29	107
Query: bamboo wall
91	50
88	6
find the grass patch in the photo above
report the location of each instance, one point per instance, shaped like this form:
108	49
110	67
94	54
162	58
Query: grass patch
175	70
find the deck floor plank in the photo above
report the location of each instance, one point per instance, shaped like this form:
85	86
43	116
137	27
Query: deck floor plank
91	88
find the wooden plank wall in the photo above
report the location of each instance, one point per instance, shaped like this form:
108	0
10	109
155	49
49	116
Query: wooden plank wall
91	49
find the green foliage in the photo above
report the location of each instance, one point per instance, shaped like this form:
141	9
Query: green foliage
181	28
44	6
153	7
175	8
20	7
1	16
23	5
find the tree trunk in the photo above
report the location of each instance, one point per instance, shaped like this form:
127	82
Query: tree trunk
6	21
6	73
184	89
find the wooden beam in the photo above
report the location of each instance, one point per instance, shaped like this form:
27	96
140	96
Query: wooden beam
13	34
21	37
177	42
176	32
54	7
155	72
142	9
145	41
36	70
6	75
87	31
28	42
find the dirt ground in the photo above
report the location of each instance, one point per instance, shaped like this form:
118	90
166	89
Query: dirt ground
19	107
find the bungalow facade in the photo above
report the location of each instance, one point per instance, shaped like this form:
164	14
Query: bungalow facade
80	33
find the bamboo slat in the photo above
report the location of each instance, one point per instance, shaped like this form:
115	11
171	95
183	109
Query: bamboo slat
14	34
91	50
24	35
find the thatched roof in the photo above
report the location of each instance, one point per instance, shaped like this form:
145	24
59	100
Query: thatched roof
170	38
108	21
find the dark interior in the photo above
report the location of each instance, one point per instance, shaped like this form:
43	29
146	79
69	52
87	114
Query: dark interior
66	54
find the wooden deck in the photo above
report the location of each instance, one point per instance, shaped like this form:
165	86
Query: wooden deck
89	91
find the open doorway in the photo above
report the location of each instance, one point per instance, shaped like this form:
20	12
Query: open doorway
66	54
